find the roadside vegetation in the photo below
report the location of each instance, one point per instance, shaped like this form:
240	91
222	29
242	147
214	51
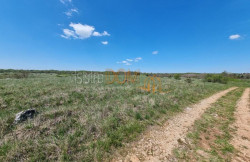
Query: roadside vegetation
85	121
210	138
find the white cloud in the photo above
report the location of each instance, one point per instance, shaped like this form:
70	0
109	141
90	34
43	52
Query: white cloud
70	8
68	34
97	34
105	42
124	62
128	61
138	59
155	52
74	10
105	33
233	37
70	12
81	31
65	1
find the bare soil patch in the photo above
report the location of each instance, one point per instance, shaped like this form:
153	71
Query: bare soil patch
241	140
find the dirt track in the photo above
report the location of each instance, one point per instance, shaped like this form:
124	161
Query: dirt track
157	142
241	140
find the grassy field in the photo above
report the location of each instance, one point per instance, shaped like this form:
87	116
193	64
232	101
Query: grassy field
86	122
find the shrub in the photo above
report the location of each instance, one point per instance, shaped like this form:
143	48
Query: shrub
138	116
188	80
177	76
219	78
15	75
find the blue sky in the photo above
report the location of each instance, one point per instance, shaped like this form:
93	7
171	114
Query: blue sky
150	36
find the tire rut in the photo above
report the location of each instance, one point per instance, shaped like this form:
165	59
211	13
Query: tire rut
157	142
241	140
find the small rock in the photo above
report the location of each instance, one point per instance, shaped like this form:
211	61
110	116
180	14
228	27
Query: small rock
24	115
215	115
182	141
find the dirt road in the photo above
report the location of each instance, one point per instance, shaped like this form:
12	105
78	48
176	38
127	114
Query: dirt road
241	140
157	142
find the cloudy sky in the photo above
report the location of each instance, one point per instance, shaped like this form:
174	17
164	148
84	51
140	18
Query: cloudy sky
150	36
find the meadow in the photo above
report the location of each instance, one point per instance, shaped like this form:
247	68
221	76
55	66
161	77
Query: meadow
87	122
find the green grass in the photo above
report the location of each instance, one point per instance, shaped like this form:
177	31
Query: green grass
212	133
84	122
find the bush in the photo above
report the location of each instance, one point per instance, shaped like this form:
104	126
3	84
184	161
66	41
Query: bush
138	116
216	78
15	75
188	80
177	76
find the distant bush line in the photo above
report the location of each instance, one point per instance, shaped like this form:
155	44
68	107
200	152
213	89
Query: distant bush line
216	78
208	77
